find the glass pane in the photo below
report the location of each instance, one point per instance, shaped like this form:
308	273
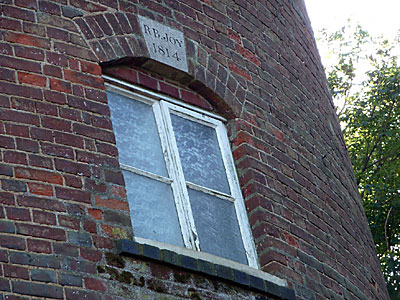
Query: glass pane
200	154
217	226
136	132
153	211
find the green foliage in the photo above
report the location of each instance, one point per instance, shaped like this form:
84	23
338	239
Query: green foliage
365	77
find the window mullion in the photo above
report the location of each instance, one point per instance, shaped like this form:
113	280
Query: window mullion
184	211
241	212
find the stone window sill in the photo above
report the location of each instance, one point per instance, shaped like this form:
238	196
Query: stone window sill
207	264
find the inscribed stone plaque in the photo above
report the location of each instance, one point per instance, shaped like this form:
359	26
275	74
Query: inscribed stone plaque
164	44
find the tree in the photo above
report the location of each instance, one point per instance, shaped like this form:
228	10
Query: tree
365	78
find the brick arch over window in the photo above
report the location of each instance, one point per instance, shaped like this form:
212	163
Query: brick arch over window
116	40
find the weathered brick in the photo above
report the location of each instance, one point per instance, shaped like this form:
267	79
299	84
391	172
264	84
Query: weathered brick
16	272
43	275
44	217
69	222
79	294
36	289
42	203
42	232
73	195
39	246
57	150
70	280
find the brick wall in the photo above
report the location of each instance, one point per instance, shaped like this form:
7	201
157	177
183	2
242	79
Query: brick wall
62	191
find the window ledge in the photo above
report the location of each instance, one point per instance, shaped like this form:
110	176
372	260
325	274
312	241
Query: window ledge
207	264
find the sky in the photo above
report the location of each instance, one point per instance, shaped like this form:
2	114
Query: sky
377	17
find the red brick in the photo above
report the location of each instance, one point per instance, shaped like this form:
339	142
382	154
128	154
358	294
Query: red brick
196	100
73	195
7	198
71	114
169	89
248	55
96	95
20	64
41	134
15	157
26	39
53	71
72	167
73	181
27	145
84	79
102	242
42	232
40	189
93	132
10	24
17	130
55	97
89	105
19	214
148	81
39	246
40	161
112	203
95	284
60	85
92	68
33	28
38	175
19	117
124	73
18	13
101	122
68	139
90	226
92	255
239	71
57	59
8	75
12	242
106	148
42	203
95	213
7	142
56	123
45	108
29	53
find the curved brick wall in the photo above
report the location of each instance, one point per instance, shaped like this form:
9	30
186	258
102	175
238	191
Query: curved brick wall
62	192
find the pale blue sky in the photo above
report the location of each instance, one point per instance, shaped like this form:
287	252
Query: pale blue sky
377	17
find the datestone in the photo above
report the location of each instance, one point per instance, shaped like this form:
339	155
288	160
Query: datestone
164	44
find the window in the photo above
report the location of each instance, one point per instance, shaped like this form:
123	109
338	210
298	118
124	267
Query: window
181	183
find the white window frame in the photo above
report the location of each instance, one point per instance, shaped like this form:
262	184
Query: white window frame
163	106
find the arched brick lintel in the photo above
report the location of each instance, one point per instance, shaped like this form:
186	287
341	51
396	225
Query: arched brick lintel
115	39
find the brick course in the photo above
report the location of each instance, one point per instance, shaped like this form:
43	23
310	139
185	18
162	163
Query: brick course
62	191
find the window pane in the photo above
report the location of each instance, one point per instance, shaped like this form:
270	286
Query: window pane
217	226
136	132
200	154
153	211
